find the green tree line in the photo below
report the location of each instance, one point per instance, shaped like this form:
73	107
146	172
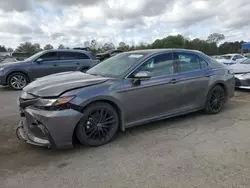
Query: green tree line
209	46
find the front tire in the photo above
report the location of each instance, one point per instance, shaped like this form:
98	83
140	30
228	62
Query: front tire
215	100
99	124
17	81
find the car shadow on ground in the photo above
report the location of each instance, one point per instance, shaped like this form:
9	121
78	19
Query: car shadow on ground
5	89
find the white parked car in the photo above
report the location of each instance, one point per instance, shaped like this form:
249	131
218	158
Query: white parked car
7	59
242	74
230	59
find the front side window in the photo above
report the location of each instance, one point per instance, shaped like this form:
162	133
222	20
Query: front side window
50	56
189	62
159	65
117	65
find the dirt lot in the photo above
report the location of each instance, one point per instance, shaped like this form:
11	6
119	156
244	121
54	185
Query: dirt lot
195	150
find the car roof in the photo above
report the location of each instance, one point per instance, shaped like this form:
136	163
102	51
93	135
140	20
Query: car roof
72	50
152	51
66	50
232	54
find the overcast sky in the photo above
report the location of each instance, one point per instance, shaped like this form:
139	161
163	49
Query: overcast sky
71	22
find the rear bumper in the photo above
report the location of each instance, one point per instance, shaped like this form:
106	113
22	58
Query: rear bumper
52	129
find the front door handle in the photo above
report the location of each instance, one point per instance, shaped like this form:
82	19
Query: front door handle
55	65
77	63
173	81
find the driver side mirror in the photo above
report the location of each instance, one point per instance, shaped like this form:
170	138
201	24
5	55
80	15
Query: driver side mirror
141	75
39	60
234	59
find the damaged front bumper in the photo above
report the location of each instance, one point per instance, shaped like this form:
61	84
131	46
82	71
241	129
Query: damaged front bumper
52	129
23	132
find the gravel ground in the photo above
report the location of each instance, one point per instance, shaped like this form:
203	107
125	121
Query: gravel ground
194	150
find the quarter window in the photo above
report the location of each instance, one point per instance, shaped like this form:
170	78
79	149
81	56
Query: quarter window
189	62
159	65
82	56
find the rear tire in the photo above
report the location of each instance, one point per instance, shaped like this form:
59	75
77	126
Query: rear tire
215	100
17	81
99	124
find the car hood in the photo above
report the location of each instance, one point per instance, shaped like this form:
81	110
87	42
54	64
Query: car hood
56	84
11	63
240	68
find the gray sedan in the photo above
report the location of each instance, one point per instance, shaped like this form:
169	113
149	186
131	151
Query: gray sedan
126	90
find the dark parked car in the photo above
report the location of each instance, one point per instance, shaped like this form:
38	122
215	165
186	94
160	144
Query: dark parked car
108	54
18	74
128	89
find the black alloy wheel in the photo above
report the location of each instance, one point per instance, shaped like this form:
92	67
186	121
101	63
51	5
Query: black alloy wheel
99	124
215	100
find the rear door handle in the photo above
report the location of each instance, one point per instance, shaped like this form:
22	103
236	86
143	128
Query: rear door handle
173	81
207	75
55	65
77	63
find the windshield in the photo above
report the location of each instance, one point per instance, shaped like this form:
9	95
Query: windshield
226	56
246	61
35	56
117	65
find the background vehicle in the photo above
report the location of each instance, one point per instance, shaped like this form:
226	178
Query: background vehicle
7	59
128	89
242	74
230	59
108	54
18	74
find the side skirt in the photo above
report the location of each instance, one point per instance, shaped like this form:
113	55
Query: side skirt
161	117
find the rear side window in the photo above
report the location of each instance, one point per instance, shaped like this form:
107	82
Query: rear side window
189	62
67	55
72	55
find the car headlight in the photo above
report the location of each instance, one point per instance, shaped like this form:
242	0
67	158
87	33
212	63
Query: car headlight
54	104
1	68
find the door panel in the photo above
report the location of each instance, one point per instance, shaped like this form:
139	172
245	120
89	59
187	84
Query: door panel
47	66
194	75
153	97
71	61
195	87
43	68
